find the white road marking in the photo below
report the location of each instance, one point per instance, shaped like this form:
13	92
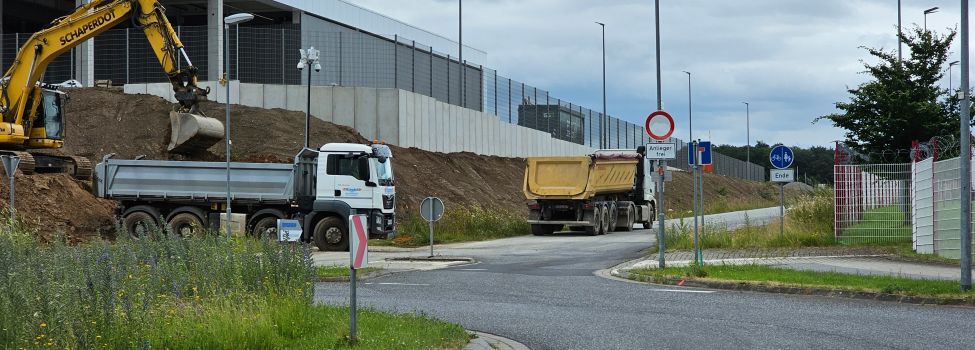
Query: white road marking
398	284
684	291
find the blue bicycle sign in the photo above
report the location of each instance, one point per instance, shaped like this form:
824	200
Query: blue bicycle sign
781	157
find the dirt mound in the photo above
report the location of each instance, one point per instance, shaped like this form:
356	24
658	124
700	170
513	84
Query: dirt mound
57	204
102	121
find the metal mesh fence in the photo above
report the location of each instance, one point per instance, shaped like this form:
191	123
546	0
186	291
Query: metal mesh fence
268	55
873	203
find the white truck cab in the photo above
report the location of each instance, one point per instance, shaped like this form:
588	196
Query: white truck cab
362	177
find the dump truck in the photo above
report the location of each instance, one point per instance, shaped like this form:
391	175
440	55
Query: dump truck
321	188
597	194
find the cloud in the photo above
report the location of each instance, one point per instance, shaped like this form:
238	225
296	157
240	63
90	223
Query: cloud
791	59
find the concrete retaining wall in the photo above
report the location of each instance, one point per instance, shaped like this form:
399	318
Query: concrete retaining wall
399	117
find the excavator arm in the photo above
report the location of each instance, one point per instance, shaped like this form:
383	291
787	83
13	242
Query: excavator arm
21	96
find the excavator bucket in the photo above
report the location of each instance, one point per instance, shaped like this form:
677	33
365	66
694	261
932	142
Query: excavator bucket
193	133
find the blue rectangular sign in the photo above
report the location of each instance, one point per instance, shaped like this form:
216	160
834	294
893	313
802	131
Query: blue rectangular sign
705	148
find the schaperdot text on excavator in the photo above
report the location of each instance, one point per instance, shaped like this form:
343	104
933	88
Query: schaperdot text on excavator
33	114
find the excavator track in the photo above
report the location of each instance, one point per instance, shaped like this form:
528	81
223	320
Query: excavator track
46	162
27	161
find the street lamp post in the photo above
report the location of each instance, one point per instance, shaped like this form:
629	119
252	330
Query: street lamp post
966	153
601	126
926	13
309	58
460	52
952	64
748	133
695	173
227	22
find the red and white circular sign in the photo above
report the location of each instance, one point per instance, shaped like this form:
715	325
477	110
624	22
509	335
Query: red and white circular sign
660	125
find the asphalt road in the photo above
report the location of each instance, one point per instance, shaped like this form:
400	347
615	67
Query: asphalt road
543	292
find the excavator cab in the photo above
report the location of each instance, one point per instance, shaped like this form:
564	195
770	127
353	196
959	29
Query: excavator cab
51	115
47	128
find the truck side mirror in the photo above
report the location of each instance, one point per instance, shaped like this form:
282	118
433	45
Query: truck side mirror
370	184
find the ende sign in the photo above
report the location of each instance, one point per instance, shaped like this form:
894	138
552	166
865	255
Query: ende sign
782	175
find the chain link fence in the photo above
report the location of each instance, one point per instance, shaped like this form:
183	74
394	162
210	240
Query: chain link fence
268	55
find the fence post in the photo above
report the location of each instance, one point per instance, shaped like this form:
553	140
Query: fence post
431	71
448	78
495	90
413	66
341	66
509	101
127	57
282	62
396	61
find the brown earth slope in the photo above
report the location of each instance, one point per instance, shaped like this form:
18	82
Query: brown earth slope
103	121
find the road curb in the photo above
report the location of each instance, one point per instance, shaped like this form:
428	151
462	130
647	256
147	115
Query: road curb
488	341
813	291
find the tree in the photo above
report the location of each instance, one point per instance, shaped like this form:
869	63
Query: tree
815	163
903	102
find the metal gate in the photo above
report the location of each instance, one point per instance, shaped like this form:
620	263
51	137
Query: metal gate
873	203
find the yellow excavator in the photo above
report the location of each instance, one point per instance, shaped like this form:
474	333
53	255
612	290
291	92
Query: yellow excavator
33	120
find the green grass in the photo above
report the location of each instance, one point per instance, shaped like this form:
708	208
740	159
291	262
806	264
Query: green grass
331	272
809	223
788	277
883	225
201	292
462	224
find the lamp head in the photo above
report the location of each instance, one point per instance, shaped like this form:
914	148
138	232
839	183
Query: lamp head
237	18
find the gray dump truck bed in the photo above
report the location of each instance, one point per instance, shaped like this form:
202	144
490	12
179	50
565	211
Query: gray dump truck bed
195	181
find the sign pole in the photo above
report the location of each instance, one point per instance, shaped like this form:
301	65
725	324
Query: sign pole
661	243
694	175
782	210
352	320
430	222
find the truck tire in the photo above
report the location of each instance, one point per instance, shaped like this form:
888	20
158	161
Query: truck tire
613	217
544	230
266	226
331	235
141	222
628	218
653	215
604	228
597	224
185	224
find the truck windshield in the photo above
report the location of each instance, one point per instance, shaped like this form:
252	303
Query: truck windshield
384	172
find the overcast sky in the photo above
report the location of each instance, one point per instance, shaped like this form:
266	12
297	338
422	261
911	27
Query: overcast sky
791	59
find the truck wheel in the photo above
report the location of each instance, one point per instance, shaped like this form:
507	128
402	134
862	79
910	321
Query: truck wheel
613	217
185	224
653	215
605	220
330	235
265	227
597	224
139	224
630	217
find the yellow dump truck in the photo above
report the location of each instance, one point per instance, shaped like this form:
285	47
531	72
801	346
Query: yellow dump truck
597	194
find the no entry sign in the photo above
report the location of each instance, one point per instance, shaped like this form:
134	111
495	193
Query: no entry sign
659	125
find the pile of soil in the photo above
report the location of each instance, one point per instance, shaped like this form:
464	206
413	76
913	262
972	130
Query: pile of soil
57	204
104	120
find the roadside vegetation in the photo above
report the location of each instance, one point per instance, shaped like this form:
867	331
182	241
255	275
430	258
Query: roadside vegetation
785	277
461	224
809	223
201	292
